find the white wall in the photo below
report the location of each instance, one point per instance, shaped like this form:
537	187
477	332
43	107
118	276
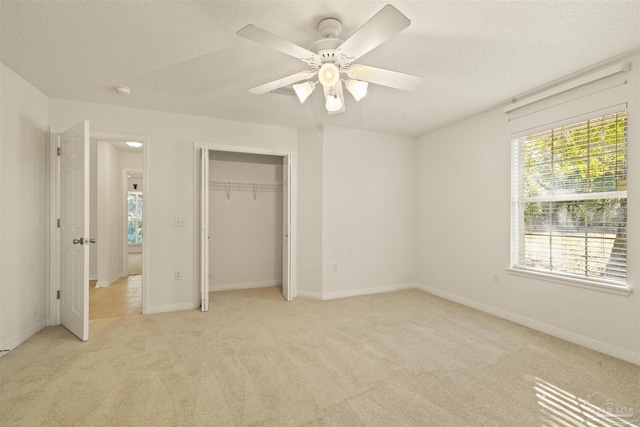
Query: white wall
369	212
356	209
169	183
464	229
131	161
23	221
310	165
109	214
93	208
246	232
115	209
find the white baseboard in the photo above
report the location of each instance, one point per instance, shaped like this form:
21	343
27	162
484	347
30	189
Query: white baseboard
590	343
19	339
367	291
134	249
246	285
315	295
105	283
169	307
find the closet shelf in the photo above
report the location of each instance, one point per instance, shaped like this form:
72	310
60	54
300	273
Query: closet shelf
255	187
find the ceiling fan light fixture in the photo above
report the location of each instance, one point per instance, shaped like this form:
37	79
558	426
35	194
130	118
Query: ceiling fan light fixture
303	90
328	74
330	57
357	88
334	103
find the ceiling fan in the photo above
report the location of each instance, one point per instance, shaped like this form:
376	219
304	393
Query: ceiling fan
330	57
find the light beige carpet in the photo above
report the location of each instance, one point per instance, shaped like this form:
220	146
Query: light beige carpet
401	358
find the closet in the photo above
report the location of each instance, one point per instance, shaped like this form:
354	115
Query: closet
245	220
247	217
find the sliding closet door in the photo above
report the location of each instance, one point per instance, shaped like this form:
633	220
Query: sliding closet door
204	229
286	228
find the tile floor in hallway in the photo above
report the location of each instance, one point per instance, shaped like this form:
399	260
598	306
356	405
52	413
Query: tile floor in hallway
122	297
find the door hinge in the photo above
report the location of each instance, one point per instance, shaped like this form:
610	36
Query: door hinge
58	150
58	222
58	294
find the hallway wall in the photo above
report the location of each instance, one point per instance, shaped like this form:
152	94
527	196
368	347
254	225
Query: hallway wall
110	216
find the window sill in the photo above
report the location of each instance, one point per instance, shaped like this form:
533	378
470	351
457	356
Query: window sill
610	288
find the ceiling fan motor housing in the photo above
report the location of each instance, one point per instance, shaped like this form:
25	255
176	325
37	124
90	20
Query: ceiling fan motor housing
330	28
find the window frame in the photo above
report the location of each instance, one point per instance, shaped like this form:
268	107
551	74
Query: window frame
519	201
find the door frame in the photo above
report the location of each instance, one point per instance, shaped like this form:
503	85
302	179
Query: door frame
293	183
53	244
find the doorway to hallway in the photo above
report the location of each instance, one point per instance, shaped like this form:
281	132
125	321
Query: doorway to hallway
73	179
117	219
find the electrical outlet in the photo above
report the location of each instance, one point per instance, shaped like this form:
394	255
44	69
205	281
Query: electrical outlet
495	278
335	267
179	221
177	275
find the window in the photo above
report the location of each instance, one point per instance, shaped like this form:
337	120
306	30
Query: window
570	200
134	217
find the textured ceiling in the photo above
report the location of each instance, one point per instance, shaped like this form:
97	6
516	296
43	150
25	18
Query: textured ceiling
184	56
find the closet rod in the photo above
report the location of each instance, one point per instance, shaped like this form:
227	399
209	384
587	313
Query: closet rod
239	185
255	187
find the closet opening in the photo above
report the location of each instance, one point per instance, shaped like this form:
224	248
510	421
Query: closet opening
246	219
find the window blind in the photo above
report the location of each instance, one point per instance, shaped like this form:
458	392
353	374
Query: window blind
570	199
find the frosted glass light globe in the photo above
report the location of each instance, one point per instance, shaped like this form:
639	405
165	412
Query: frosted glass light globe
333	103
303	90
328	75
357	88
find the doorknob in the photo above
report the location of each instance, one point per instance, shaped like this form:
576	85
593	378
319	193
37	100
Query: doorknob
92	240
79	241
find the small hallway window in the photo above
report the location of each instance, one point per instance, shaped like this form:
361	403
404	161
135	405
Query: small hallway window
134	217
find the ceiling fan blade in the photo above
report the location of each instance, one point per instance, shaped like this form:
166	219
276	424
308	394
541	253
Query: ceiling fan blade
285	81
383	77
384	25
258	35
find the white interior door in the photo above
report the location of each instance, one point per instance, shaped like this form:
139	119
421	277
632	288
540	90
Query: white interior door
204	229
74	230
286	228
